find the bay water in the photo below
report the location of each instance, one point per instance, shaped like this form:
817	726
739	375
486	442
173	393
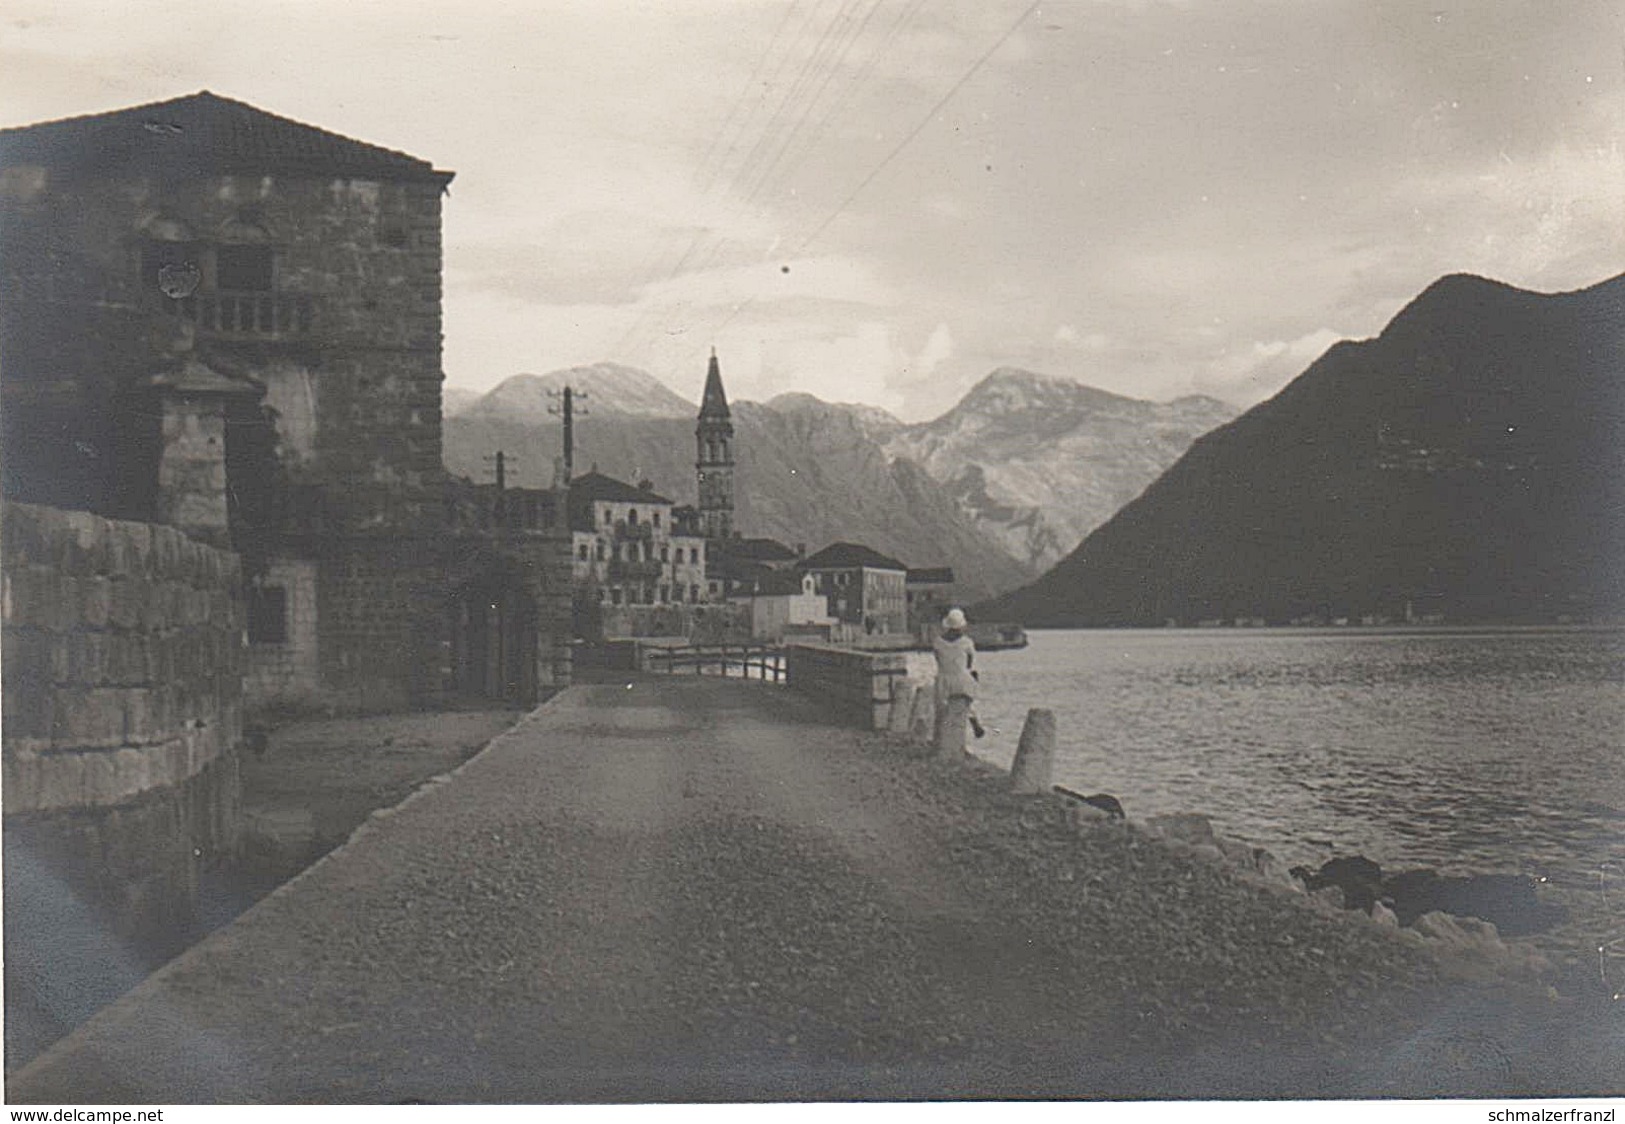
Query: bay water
1469	751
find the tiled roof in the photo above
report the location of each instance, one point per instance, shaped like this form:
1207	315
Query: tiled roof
932	575
201	133
597	486
849	555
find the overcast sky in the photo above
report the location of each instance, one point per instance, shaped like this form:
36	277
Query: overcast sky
882	200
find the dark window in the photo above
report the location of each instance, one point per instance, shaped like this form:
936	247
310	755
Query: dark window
656	518
243	269
665	554
267	615
632	516
582	552
693	554
693	593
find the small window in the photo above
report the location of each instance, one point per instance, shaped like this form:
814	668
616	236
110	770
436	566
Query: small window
267	615
632	516
615	596
693	593
665	554
655	519
243	269
581	552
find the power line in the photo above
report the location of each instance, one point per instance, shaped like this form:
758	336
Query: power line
897	150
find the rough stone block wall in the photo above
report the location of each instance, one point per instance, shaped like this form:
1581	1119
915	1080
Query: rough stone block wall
381	604
122	678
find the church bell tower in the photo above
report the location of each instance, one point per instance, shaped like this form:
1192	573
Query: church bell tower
714	436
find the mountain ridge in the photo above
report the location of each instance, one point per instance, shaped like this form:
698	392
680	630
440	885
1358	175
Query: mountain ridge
1464	463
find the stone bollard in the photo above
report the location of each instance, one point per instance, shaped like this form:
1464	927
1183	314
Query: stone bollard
922	723
1035	753
951	721
902	705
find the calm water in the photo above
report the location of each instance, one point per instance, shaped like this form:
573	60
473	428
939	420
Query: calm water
1497	750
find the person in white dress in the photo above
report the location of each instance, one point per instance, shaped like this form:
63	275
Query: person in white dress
957	678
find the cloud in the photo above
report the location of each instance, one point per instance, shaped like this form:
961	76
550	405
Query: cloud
1249	374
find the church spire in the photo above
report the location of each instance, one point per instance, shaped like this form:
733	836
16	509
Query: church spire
713	403
714	462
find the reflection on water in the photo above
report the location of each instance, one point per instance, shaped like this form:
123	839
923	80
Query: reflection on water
1491	750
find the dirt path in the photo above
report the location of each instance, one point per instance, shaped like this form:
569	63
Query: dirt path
692	890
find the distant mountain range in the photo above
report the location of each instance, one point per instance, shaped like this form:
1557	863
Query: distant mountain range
1468	463
999	487
1038	461
809	472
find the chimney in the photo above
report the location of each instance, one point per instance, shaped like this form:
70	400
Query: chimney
801	550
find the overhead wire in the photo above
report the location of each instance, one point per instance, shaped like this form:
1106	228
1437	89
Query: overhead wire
896	150
716	162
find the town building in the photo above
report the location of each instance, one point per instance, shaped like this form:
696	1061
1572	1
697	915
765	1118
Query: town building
230	322
737	565
633	551
930	593
862	588
784	603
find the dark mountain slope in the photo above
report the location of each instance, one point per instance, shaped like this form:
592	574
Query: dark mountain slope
1468	461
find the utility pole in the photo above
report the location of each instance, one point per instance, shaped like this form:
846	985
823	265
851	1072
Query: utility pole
567	409
501	461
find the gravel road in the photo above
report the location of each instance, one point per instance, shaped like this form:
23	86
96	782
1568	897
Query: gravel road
692	890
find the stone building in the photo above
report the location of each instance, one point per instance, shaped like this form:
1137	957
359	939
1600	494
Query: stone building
199	293
632	553
930	593
863	588
781	604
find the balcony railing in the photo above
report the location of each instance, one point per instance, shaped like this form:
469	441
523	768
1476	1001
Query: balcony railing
634	532
251	315
620	571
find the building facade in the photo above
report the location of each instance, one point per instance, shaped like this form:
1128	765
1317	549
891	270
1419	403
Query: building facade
861	587
202	299
630	547
930	594
783	604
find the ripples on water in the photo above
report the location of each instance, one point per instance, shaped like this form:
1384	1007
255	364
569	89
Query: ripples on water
1493	750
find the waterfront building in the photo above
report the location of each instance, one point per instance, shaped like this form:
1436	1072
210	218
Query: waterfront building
861	587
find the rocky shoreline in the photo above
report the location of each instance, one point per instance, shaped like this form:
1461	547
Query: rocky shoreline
1269	957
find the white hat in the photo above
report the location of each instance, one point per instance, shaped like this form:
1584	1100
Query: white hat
954	619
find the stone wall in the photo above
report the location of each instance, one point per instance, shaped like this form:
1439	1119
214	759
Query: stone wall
358	381
855	686
286	669
123	668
